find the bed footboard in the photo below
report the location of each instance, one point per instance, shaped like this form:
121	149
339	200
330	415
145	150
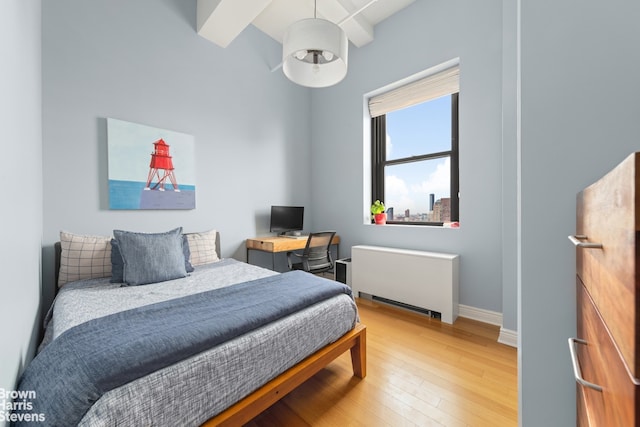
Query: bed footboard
246	409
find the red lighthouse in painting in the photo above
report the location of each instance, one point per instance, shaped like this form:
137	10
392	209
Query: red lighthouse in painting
161	167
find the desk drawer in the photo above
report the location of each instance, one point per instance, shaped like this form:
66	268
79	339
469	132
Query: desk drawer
260	245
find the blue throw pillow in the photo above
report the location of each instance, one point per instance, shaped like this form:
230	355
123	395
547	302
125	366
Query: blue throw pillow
187	254
151	257
117	263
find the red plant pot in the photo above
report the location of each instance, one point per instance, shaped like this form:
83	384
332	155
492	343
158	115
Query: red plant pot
380	218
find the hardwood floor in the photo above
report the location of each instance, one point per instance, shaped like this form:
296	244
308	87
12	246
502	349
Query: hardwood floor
420	372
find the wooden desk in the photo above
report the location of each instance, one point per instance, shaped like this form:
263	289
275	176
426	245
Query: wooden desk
277	244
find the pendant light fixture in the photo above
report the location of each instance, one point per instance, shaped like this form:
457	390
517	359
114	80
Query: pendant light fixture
314	52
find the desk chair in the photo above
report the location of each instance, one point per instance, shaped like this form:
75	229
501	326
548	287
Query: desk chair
316	256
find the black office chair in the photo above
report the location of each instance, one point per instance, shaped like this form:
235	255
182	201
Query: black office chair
316	256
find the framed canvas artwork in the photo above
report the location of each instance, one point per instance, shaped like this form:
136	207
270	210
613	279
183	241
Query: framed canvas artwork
149	168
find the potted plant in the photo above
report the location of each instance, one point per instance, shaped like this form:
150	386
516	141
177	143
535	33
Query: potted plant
378	212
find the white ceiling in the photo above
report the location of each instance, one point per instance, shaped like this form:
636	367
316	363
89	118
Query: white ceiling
221	21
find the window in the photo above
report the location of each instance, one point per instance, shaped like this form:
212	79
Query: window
414	150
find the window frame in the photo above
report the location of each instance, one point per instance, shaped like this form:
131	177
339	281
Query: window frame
379	162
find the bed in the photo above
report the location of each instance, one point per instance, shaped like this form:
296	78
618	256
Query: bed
193	373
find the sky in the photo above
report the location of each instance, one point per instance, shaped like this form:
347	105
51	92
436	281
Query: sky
420	129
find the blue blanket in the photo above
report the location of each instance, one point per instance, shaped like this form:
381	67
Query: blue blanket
88	360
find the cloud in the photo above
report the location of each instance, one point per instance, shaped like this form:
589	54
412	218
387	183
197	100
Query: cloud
414	196
438	182
395	186
398	195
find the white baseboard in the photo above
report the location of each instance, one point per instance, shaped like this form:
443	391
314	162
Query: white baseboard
507	336
481	315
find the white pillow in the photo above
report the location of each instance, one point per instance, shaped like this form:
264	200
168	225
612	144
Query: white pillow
202	247
83	257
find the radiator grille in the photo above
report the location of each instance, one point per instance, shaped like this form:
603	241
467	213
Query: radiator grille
431	313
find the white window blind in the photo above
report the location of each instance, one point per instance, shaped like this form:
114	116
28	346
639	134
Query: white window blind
427	88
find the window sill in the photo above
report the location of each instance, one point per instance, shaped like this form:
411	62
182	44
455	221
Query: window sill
446	225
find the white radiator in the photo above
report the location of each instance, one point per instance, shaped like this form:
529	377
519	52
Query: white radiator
426	280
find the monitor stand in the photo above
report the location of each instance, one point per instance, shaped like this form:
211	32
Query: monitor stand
293	235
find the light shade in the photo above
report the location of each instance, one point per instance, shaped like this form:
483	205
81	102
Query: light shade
314	53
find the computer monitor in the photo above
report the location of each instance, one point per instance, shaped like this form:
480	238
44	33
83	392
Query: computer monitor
286	218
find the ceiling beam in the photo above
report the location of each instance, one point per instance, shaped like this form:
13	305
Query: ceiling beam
359	30
220	21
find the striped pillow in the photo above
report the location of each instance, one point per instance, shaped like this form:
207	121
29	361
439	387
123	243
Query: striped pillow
83	257
203	247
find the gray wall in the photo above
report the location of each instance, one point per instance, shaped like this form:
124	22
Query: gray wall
422	36
21	177
143	62
579	100
509	166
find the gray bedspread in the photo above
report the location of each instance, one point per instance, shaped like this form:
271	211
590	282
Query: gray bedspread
81	301
172	331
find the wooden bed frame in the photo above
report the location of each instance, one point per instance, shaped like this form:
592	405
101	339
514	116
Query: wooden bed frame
252	405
